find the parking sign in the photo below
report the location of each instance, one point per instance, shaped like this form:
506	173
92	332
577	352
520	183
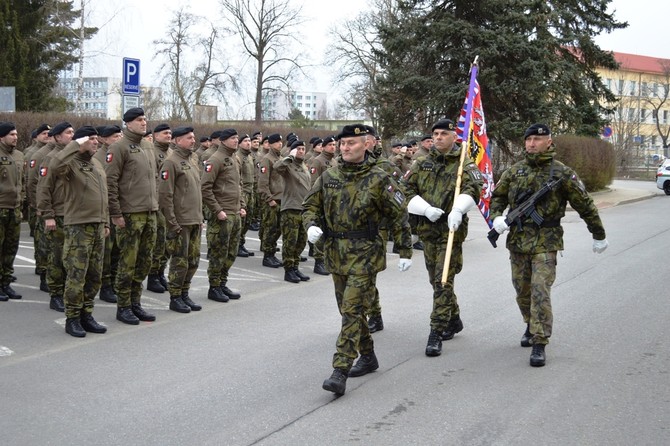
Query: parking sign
131	76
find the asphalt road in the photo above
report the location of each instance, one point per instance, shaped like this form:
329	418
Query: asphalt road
250	371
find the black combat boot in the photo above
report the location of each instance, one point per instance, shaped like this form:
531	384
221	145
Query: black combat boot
9	291
303	258
241	252
3	296
107	294
163	280
337	383
57	303
142	315
73	327
91	325
455	325
254	226
366	364
320	268
177	304
434	346
244	249
311	249
44	286
126	315
187	300
216	293
375	323
230	293
300	275
271	261
537	357
418	246
527	337
154	284
291	276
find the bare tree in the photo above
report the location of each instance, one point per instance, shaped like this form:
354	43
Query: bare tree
265	30
657	97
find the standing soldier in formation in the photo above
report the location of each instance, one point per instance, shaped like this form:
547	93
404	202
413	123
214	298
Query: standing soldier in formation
51	209
254	215
180	184
133	202
156	280
296	186
270	188
345	206
430	185
108	135
213	147
205	143
86	224
222	194
11	200
424	148
248	177
533	247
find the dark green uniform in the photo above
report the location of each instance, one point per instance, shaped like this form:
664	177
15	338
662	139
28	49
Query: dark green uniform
110	259
270	188
348	203
434	179
32	178
248	178
318	165
159	257
11	199
533	248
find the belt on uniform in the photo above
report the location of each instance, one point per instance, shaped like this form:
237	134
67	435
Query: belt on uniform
364	233
545	223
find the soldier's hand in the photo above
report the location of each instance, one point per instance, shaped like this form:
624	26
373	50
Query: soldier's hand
600	245
499	224
50	224
107	232
454	219
404	264
293	152
119	222
433	214
314	234
221	216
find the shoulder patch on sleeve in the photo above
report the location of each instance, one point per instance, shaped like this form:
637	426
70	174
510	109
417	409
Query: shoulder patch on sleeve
109	157
208	167
165	175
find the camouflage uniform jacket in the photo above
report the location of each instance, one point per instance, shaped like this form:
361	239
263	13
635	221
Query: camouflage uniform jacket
11	177
434	179
247	167
297	182
179	192
347	201
50	193
84	186
319	164
130	166
529	175
270	183
221	184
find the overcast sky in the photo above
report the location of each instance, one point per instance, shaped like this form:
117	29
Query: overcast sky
133	25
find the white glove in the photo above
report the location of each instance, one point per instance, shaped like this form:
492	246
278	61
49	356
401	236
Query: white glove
499	224
419	206
600	245
314	234
415	238
82	140
433	214
293	152
404	264
462	204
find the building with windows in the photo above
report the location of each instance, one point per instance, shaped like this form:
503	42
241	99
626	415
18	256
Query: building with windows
101	96
277	104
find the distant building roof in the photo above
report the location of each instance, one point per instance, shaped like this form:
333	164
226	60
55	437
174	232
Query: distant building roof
642	64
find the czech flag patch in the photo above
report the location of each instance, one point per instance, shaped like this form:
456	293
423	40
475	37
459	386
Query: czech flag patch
264	169
165	175
43	171
109	157
208	167
32	163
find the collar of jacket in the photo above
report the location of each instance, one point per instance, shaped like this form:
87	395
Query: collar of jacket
135	138
539	159
6	148
184	153
162	146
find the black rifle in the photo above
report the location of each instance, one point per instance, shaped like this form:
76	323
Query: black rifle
526	209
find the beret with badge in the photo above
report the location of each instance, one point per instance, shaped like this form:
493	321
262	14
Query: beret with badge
353	130
227	133
297	143
59	128
84	131
109	130
537	129
132	114
181	131
161	127
444	124
275	137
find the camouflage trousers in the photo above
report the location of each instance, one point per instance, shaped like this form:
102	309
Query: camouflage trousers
55	270
354	294
110	260
223	237
256	210
445	304
532	277
82	258
10	234
375	305
318	250
246	221
136	243
159	257
184	251
271	229
294	238
32	220
40	244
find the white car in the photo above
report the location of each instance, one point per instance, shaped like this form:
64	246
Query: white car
663	177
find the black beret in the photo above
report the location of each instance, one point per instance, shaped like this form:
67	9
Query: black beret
537	129
243	137
215	134
227	133
292	136
275	137
86	130
148	132
42	128
109	131
297	144
161	127
444	124
256	135
133	114
204	138
353	130
397	145
316	142
33	134
312	139
328	139
412	142
371	130
59	128
100	129
5	128
425	137
180	131
265	138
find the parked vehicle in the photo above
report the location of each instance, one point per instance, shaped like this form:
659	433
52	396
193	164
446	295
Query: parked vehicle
663	177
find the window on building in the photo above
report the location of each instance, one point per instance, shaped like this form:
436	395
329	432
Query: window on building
307	113
643	115
299	105
633	88
308	98
665	116
654	140
631	115
620	86
644	89
299	97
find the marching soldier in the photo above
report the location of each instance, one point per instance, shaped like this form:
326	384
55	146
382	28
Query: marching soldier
270	188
